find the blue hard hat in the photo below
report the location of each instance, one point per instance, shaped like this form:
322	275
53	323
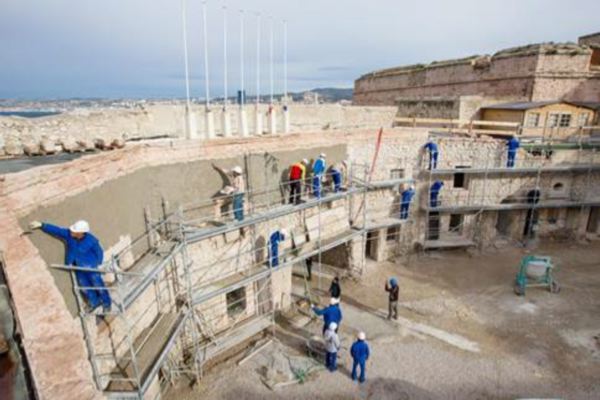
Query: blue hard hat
393	281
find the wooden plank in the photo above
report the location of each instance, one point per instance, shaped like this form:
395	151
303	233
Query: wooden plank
455	122
448	243
496	123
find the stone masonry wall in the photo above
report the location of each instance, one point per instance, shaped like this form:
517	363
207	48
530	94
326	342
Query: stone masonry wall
504	77
168	119
47	326
530	73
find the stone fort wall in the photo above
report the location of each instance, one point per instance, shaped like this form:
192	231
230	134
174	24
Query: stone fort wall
529	73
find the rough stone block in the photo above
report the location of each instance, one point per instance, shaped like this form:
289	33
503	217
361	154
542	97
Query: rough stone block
31	149
13	148
86	144
47	146
70	145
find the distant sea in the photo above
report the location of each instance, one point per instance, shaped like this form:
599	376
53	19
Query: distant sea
28	114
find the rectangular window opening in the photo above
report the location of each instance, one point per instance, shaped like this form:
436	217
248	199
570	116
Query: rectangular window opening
236	302
583	119
456	221
397	173
533	120
565	120
562	120
460	180
393	232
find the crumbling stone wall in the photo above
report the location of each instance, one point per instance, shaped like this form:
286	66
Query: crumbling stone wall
428	107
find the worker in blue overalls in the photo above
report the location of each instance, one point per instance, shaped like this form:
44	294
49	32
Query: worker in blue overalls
274	240
360	354
432	147
331	313
319	168
82	250
434	193
336	177
406	198
513	145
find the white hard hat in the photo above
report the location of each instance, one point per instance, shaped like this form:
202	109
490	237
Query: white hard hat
333	326
80	227
334	301
304	161
361	335
283	231
237	169
323	155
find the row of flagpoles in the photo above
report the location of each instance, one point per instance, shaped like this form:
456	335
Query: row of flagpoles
243	129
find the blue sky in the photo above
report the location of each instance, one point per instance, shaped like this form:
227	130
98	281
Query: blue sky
133	48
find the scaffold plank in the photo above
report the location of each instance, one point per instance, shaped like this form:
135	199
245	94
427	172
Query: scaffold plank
296	255
146	268
448	243
233	336
229	283
382	223
197	234
514	170
152	347
510	206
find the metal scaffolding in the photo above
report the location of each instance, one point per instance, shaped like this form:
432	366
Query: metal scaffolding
168	318
199	281
480	167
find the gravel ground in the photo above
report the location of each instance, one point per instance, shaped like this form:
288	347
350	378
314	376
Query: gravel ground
542	345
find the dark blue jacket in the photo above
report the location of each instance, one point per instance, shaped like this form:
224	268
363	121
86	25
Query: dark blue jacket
432	147
407	196
436	186
360	351
275	238
86	252
513	144
332	313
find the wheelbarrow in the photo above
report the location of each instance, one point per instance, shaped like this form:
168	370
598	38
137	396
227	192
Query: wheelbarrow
535	271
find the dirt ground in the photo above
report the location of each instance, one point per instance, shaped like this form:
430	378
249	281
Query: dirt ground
462	333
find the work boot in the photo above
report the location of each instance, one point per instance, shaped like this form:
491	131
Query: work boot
89	309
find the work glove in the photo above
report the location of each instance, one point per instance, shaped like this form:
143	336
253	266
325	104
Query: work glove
35	225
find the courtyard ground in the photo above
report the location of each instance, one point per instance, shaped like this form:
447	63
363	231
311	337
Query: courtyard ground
462	334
